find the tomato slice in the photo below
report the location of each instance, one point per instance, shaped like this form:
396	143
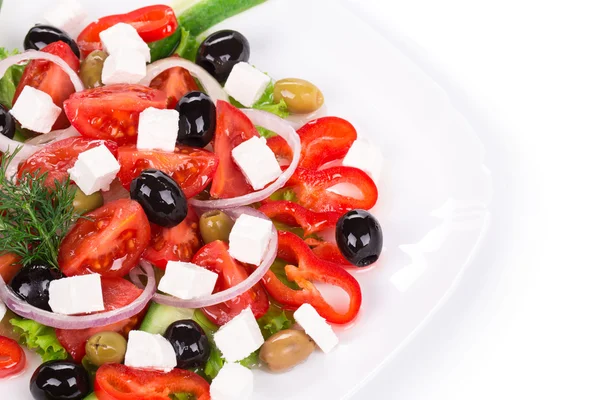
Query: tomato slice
50	78
152	23
215	257
9	266
233	128
119	382
112	112
179	243
116	293
12	357
109	241
57	158
176	83
191	168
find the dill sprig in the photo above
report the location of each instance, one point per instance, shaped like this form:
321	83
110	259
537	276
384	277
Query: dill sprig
34	218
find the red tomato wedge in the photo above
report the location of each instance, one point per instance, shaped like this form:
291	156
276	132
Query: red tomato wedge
9	266
112	112
233	128
12	357
179	243
215	257
116	293
109	241
119	382
56	158
175	83
51	79
152	23
190	167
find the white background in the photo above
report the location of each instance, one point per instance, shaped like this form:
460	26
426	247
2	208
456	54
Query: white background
524	323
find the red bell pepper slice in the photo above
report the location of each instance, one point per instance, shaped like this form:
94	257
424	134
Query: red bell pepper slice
309	268
294	214
327	251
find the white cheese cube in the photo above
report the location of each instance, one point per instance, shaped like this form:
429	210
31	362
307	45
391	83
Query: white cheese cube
2	309
147	350
157	129
365	156
67	15
94	170
316	327
246	84
76	294
257	162
233	382
249	238
124	37
35	110
123	66
238	338
187	281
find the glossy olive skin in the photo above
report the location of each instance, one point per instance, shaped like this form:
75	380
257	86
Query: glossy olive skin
300	96
220	51
90	72
160	196
41	36
190	343
286	349
215	225
84	203
59	380
197	119
7	123
106	348
359	236
31	284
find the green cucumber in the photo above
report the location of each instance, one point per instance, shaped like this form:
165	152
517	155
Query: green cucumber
159	317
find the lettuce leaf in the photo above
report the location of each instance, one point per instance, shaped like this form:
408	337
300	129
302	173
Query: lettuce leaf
10	80
267	103
276	319
40	338
278	268
264	132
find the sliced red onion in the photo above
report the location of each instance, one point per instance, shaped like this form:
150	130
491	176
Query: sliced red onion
8	146
54	136
234	291
299	120
210	84
283	129
48	318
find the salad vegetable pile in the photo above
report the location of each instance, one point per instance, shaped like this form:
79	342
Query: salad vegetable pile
168	211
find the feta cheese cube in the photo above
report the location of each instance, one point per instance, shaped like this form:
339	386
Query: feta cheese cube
249	239
124	37
158	129
76	294
147	350
233	382
35	110
123	66
257	162
316	327
246	84
238	338
365	156
67	15
187	281
94	170
2	310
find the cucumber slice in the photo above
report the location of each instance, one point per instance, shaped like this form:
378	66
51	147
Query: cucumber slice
159	317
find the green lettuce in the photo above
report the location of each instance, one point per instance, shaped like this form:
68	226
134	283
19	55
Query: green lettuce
40	338
276	319
267	103
10	80
264	132
278	268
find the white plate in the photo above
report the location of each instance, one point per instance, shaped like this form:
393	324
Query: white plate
434	192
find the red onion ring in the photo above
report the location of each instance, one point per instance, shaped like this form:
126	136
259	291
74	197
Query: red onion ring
54	136
299	120
48	318
234	291
25	151
210	84
283	129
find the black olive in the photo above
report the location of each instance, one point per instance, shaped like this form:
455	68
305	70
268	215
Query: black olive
41	36
190	343
197	119
31	284
220	51
359	237
160	196
7	123
59	380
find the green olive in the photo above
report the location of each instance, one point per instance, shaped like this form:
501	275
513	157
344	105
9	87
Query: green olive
286	349
91	69
106	348
300	96
215	225
84	203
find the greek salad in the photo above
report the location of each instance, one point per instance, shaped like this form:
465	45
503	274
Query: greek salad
168	211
